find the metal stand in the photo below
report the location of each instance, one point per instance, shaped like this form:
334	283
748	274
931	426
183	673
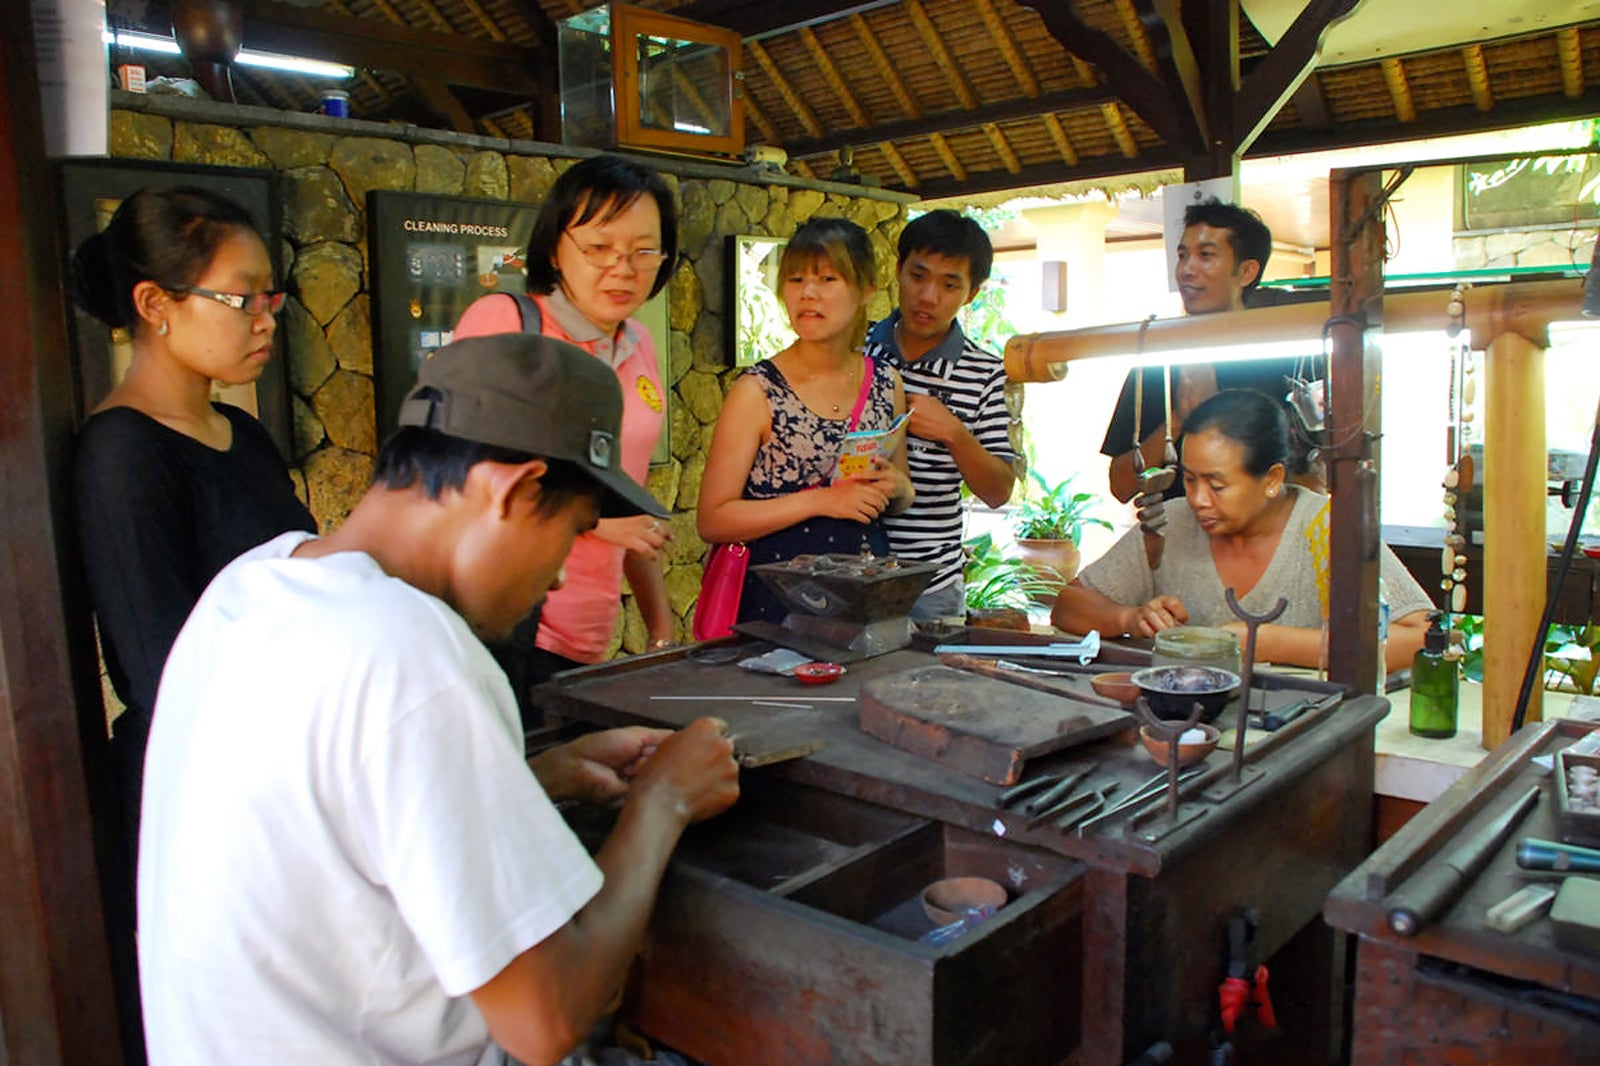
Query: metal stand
1170	732
1247	670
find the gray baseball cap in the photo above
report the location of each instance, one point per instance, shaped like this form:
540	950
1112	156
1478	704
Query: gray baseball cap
532	394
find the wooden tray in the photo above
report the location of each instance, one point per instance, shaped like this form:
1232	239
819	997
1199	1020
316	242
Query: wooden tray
979	725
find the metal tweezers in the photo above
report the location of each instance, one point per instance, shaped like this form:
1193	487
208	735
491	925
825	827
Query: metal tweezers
1143	792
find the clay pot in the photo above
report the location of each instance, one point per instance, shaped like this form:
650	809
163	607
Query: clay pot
210	34
1059	555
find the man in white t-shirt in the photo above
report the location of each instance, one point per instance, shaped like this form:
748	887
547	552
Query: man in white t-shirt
344	857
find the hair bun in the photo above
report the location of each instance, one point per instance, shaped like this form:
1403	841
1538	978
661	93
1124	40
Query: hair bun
97	282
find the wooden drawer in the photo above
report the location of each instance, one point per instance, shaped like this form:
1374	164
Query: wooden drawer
802	943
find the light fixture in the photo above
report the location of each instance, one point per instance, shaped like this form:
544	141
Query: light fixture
312	68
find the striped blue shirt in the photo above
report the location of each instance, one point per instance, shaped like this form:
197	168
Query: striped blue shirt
971	383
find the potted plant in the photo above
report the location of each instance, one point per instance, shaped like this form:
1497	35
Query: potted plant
999	589
1048	525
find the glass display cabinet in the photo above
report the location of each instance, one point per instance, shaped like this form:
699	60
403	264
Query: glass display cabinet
641	79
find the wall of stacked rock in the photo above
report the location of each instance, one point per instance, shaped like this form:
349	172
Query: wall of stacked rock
328	166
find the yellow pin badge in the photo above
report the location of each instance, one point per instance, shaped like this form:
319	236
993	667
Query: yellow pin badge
648	393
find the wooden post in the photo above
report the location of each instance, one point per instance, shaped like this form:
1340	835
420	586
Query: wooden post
56	1002
1514	563
1355	423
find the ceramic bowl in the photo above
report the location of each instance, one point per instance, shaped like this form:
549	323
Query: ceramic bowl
1117	686
818	673
1172	691
1188	754
948	900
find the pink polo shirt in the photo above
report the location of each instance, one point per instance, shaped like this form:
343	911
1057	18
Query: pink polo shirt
580	617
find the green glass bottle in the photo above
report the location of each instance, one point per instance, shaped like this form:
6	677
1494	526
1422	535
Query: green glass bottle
1434	690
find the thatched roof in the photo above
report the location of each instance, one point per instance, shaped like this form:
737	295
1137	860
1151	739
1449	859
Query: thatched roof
950	97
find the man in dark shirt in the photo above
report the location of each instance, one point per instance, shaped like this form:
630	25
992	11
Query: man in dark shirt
1221	257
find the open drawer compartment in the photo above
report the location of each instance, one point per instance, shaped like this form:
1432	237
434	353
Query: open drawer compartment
829	967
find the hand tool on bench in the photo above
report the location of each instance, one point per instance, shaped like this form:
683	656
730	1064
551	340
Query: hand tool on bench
1083	650
1426	894
1051	797
1272	721
1016	792
1139	795
1050	681
1085	804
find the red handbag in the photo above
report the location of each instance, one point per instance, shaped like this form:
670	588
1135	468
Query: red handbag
720	591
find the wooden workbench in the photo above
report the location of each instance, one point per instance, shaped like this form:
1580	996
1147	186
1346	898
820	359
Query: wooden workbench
1114	939
1459	991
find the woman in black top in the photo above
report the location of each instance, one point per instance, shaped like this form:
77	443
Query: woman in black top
169	485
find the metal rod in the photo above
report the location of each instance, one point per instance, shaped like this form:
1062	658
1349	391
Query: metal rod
1247	670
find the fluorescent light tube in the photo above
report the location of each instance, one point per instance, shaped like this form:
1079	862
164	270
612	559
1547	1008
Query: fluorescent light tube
315	68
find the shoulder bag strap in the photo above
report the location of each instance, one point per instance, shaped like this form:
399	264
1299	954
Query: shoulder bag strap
528	311
866	388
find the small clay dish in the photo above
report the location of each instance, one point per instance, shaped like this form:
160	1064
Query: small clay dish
1188	754
1172	691
818	673
1117	686
951	899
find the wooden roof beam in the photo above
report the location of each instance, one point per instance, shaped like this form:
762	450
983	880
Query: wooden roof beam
1571	51
1008	47
1176	63
1058	134
1394	76
769	18
948	121
437	95
454	59
1311	104
880	59
941	55
490	26
785	90
1119	130
1044	174
1137	87
538	23
1445	122
1133	25
1477	77
1026	81
908	177
831	75
1284	70
951	163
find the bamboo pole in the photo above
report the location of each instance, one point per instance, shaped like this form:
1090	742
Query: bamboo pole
1514	560
1523	307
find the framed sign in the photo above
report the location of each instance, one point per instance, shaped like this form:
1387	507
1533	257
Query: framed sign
431	257
91	189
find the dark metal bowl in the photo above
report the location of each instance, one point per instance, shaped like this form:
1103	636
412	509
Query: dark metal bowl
1172	691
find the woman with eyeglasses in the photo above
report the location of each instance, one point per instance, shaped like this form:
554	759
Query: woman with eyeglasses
605	242
170	485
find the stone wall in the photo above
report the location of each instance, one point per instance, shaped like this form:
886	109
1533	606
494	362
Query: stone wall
1555	247
328	165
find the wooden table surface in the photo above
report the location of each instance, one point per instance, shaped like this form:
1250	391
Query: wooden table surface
1459	987
1155	910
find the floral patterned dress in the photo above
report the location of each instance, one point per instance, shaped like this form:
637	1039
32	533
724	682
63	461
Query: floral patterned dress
800	455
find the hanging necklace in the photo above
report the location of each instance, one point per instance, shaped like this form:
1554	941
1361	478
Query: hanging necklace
854	372
1458	451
